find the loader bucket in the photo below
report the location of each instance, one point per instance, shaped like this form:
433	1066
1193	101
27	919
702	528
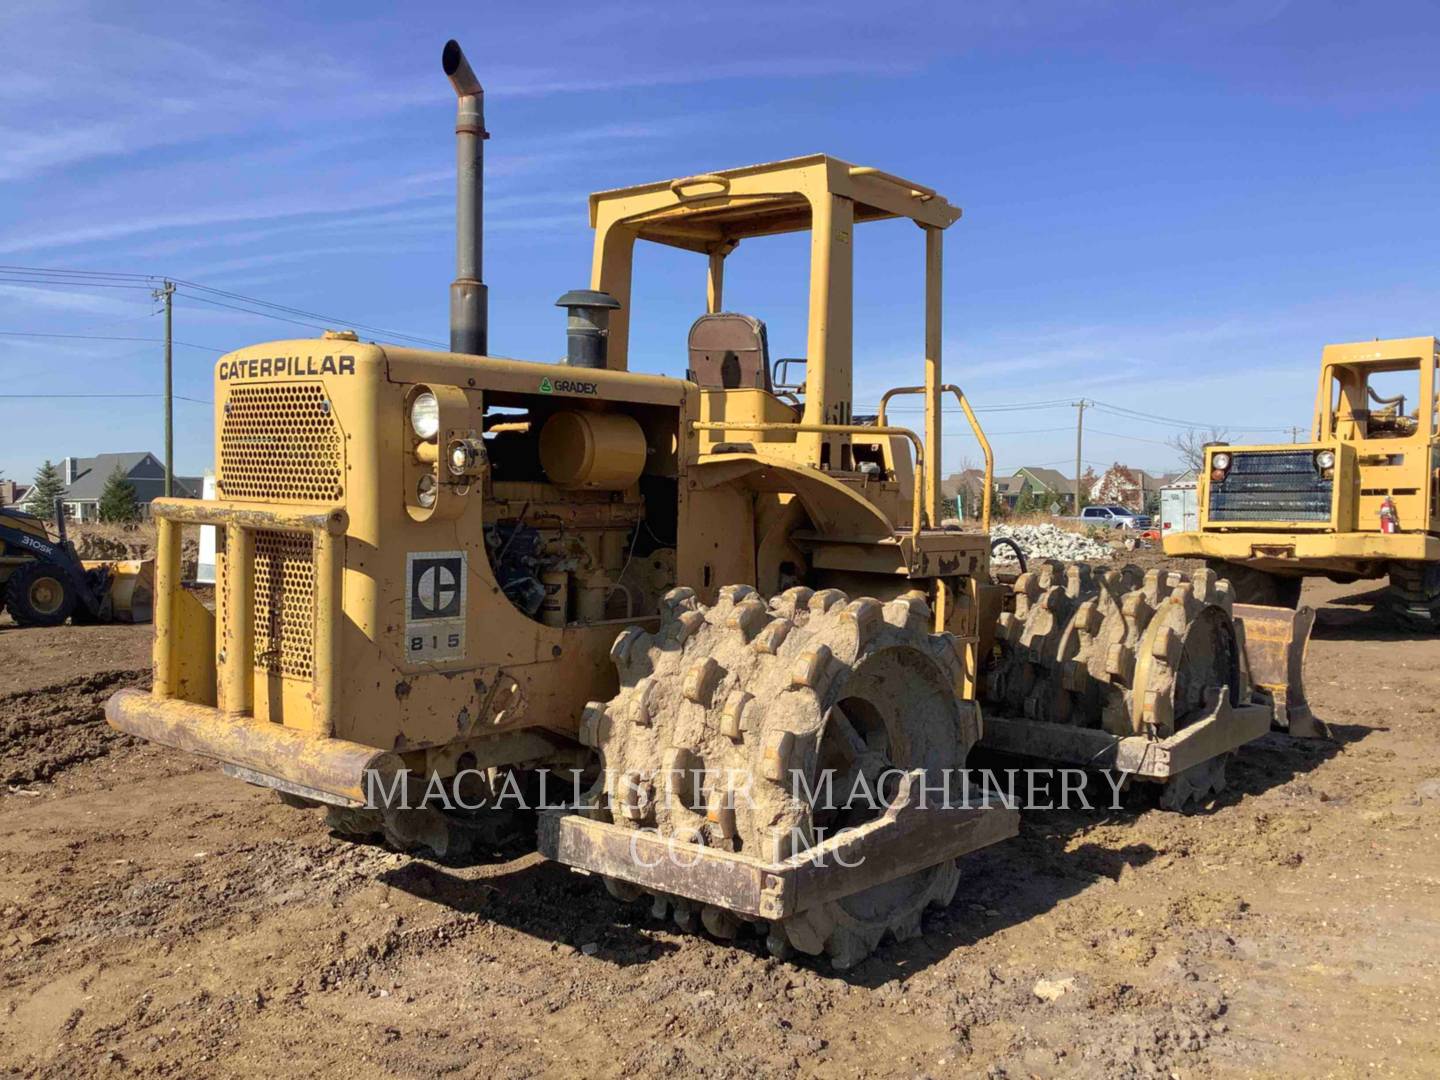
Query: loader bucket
1275	643
132	587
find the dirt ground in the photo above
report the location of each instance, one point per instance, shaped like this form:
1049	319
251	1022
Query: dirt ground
158	919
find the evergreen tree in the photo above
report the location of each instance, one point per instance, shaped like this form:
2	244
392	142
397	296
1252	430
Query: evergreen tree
117	500
49	486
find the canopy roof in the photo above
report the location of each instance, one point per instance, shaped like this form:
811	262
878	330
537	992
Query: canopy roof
721	208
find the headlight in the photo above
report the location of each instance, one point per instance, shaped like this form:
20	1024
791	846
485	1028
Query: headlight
1325	459
1220	461
465	457
425	491
425	415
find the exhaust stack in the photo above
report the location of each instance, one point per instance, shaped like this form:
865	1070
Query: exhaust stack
469	299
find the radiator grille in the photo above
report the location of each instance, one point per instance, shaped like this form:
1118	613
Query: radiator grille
284	610
1271	485
280	442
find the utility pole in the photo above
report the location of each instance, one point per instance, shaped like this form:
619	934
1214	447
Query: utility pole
1294	434
167	293
1079	433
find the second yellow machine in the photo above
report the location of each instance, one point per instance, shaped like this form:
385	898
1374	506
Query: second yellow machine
1360	500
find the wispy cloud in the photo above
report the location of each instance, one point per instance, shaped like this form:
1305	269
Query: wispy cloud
67	300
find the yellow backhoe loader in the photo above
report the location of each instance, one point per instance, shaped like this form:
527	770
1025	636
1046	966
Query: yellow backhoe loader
43	581
706	594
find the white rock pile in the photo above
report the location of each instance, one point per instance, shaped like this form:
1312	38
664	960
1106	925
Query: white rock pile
1048	542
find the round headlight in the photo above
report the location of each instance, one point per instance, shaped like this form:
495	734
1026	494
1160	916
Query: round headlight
1220	461
425	415
425	491
1325	459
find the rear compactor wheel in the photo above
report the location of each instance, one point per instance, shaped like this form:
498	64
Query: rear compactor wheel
1114	650
731	717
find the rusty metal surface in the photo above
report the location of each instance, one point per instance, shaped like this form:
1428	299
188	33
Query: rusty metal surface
289	787
193	659
1276	640
334	766
910	836
917	498
933	553
651	861
1227	728
333	520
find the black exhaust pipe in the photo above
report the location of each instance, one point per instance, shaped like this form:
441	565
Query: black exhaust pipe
469	300
587	329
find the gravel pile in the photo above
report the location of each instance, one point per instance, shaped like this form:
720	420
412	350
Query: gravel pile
1048	542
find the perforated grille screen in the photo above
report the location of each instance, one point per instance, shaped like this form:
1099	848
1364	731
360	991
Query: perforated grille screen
1271	485
280	442
284	603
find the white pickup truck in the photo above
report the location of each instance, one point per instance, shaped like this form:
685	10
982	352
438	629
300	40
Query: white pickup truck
1113	516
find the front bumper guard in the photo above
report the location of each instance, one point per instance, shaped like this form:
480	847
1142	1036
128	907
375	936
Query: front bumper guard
910	836
327	770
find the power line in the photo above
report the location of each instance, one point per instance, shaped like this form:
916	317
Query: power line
1132	438
178	397
83	273
1012	431
7	279
322	320
267	310
107	337
1118	411
206	294
1019	406
251	311
1132	414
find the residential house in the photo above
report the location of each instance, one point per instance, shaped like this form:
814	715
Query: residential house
12	493
967	488
1045	487
85	481
1134	489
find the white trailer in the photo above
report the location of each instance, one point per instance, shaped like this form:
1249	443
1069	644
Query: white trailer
1179	508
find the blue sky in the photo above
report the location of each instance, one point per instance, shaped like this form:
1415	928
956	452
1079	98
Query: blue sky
1168	207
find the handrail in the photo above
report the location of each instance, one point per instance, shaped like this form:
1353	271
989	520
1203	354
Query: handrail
974	426
837	429
678	187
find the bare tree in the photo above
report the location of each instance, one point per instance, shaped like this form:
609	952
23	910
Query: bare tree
1190	444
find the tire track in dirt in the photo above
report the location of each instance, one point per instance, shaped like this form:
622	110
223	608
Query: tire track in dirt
45	731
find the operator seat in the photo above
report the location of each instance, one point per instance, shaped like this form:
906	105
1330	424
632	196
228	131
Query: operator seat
729	351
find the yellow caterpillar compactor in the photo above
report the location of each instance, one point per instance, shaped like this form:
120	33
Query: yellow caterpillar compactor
1360	500
707	595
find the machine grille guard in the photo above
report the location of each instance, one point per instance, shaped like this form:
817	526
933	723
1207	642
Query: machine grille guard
1272	485
278	550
